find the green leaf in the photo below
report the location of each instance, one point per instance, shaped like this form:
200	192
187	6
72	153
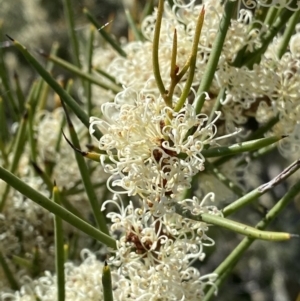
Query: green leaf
106	283
233	226
85	175
240	147
59	249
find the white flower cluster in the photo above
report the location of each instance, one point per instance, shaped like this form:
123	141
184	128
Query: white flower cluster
267	90
152	261
82	283
155	253
153	150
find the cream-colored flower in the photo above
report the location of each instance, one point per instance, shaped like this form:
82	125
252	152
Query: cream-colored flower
153	150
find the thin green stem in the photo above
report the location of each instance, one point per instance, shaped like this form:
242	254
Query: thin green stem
106	75
148	9
183	71
223	179
31	134
44	86
106	36
67	216
173	70
107	284
66	252
215	54
46	179
233	226
217	283
84	75
240	147
89	57
174	67
71	31
133	26
59	135
73	248
63	120
217	105
155	51
43	96
36	262
20	143
68	205
193	58
4	76
258	154
271	16
31	97
260	15
76	190
19	93
267	38
22	262
3	154
59	249
263	129
4	133
256	193
288	32
17	152
86	179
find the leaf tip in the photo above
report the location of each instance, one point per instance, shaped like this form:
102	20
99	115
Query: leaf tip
9	37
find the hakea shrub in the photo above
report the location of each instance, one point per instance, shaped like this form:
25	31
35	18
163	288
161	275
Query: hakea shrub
174	139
